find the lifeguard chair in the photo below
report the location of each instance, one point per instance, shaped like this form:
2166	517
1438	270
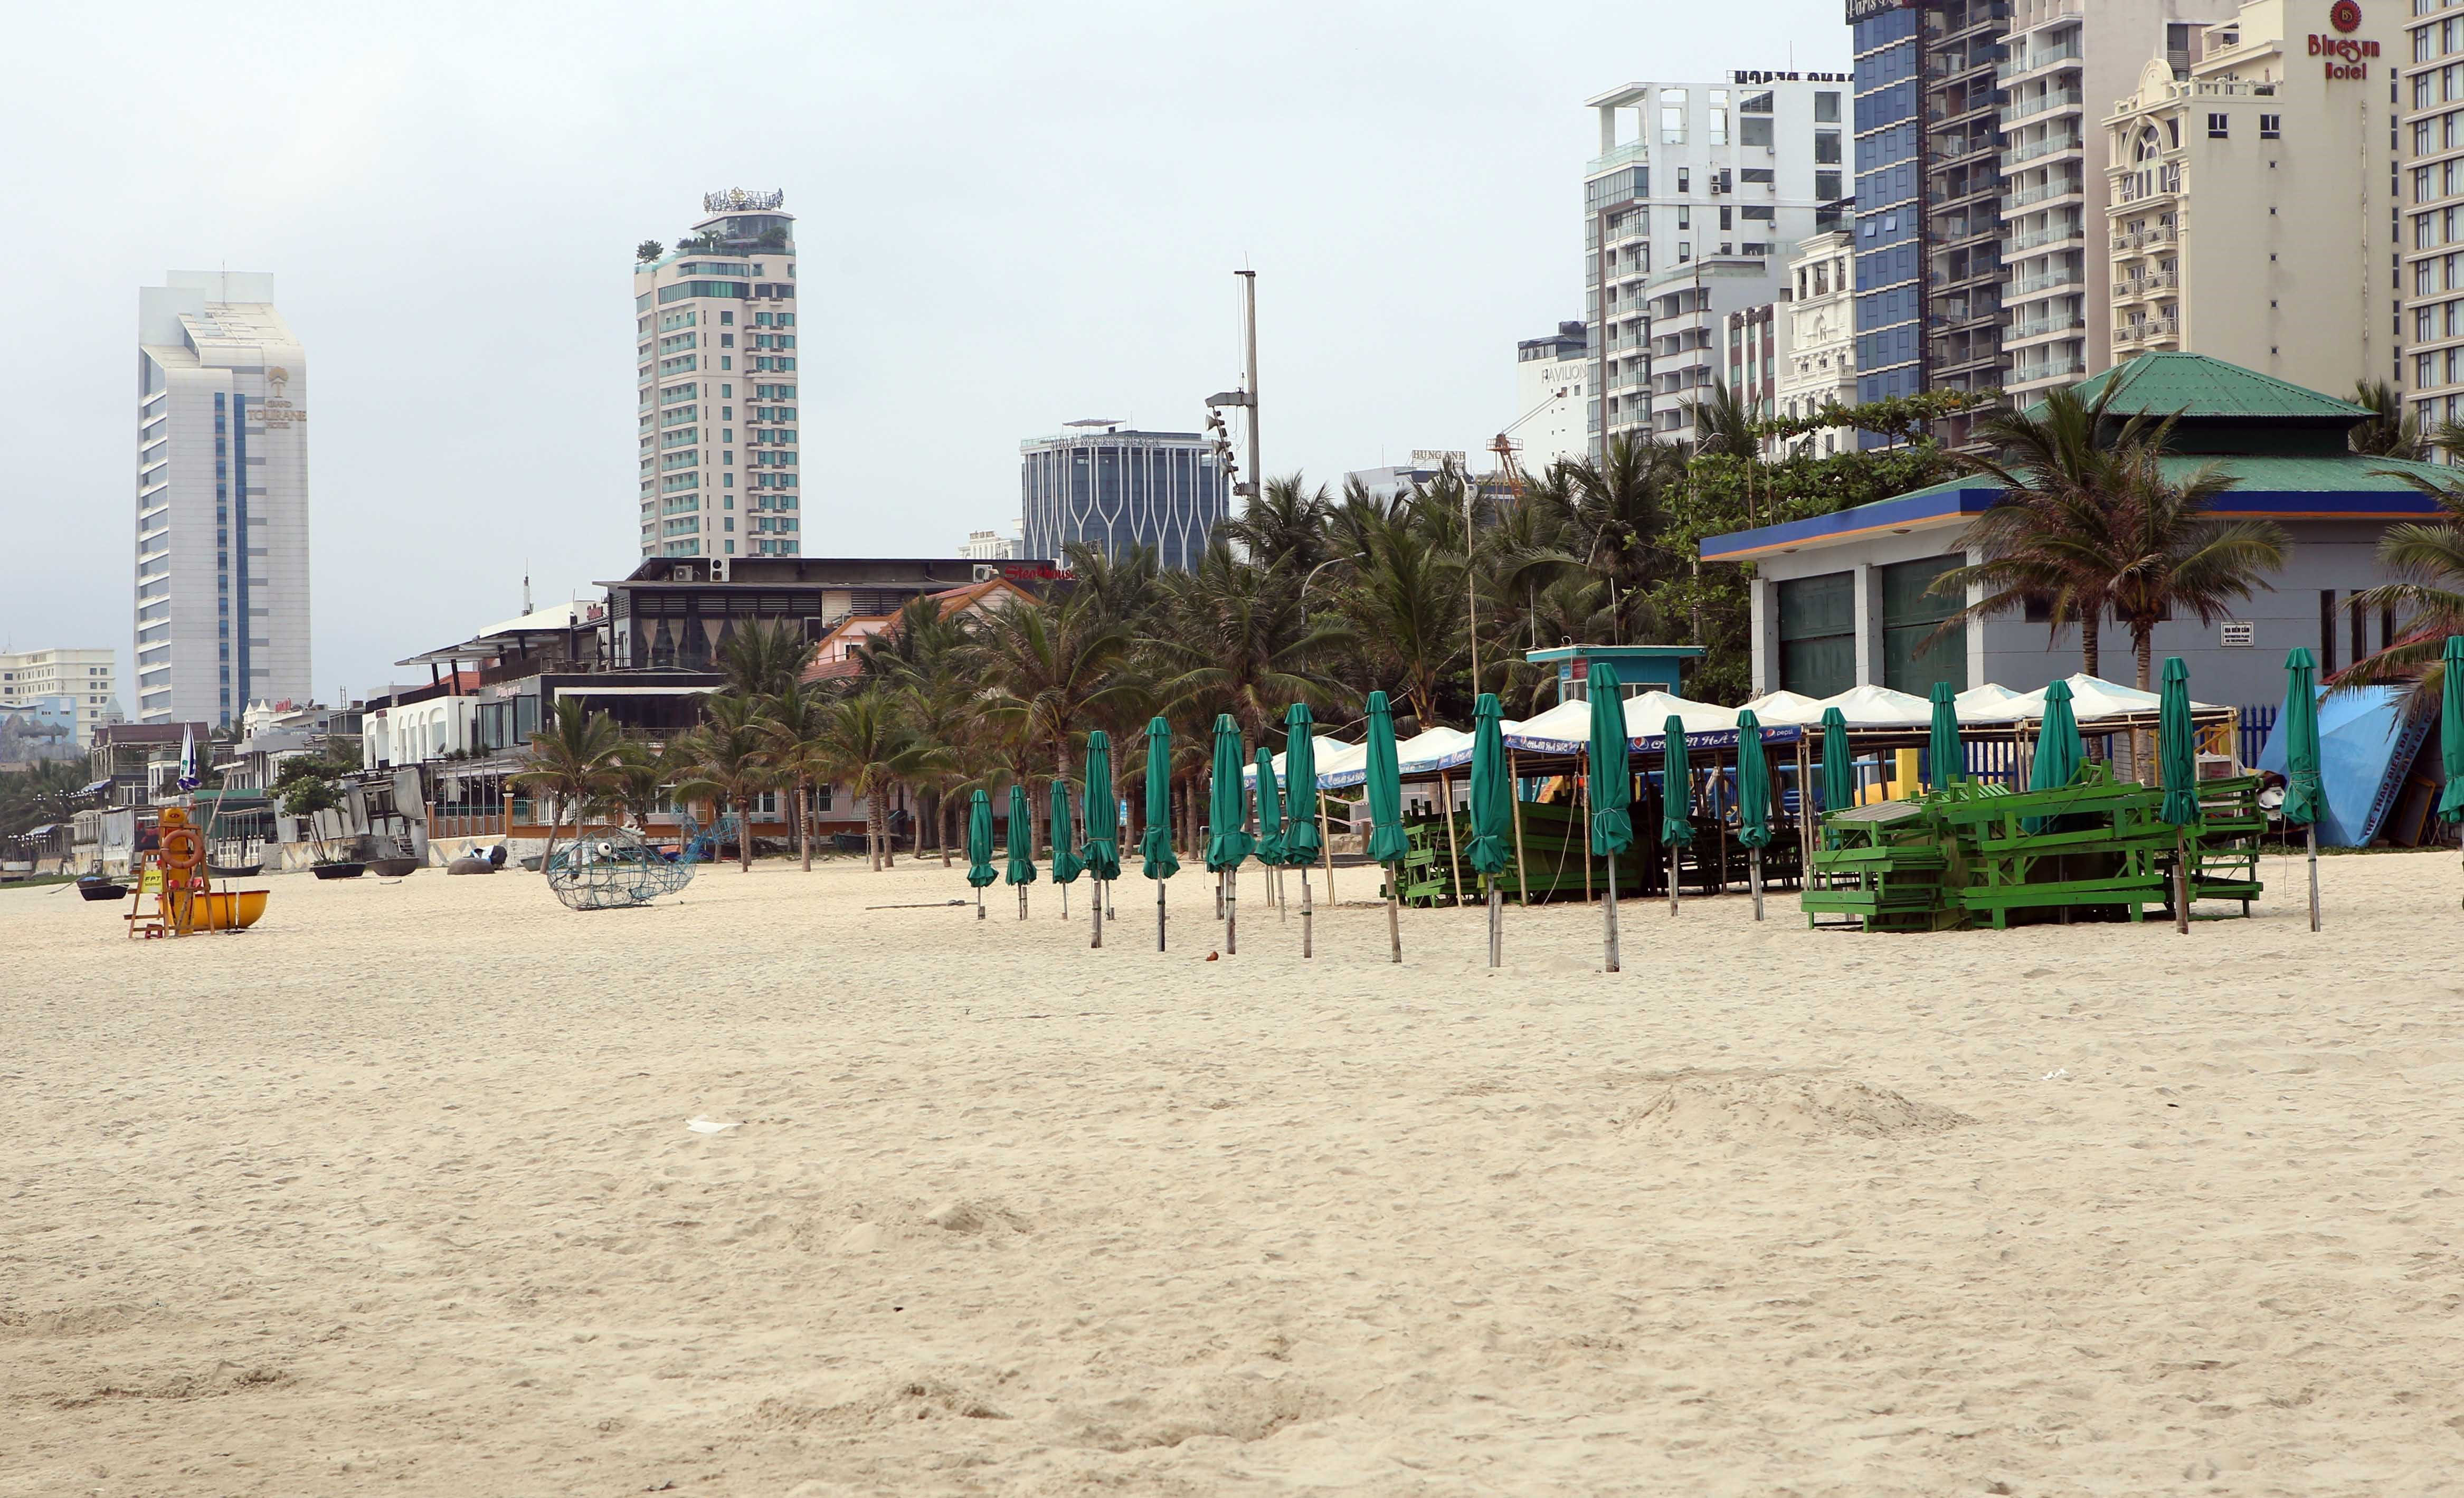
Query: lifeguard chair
172	874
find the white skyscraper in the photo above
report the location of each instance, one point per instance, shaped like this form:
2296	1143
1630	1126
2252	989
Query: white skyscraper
714	330
222	499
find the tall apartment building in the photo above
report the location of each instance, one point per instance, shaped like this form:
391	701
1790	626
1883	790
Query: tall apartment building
1553	377
1888	120
2430	99
1819	357
2254	214
1116	490
222	499
1695	182
1960	217
2065	58
84	677
714	330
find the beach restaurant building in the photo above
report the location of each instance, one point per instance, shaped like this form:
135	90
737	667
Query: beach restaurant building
1844	600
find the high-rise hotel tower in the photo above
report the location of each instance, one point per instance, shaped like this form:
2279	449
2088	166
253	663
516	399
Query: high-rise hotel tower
714	335
222	499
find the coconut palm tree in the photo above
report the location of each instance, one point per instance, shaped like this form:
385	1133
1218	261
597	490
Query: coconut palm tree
2174	559
1284	528
1049	667
764	657
1239	642
792	726
726	763
2390	432
575	762
1617	512
866	746
2428	559
1122	588
1406	606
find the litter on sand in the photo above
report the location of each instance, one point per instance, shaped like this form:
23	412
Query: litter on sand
701	1125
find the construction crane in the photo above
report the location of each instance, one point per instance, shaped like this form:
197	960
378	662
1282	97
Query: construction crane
1510	469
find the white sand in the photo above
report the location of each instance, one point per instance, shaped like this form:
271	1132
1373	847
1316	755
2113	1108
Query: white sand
396	1194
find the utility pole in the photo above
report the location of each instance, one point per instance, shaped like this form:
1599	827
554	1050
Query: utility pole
1250	322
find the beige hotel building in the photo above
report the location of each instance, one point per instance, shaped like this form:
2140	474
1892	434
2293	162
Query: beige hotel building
2251	207
2431	94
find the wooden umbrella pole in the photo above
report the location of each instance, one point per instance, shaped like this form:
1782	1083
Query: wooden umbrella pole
1394	910
1065	902
1098	921
1231	912
979	902
2180	881
1160	916
1522	880
1308	915
2313	829
1326	849
1494	935
1021	902
1454	855
1754	874
1804	814
1608	914
1583	831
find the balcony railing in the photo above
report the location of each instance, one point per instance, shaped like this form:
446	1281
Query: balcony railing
2068	52
2152	329
1631	151
2069	276
2048	147
2064	99
2044	325
2049	369
2066	188
2144	239
2060	234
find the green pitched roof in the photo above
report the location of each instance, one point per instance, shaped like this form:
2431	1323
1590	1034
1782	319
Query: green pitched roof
2196	385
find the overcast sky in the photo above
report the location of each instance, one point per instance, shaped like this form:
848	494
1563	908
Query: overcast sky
1007	217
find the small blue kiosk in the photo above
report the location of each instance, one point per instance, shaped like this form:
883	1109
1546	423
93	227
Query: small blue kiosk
1639	668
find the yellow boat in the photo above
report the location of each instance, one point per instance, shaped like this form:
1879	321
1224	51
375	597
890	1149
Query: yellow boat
230	910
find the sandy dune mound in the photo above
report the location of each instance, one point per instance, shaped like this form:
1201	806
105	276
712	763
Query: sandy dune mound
1745	1108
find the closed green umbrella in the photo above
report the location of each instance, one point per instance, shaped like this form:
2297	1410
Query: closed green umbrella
1021	837
2177	759
2059	750
1387	844
1067	866
1950	764
980	846
2304	800
1270	812
1753	800
1103	850
2451	729
1302	840
1675	799
1492	807
1155	846
1227	825
1610	773
1839	763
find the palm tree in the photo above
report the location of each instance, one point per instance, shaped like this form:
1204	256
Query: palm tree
792	726
2428	559
1122	588
1284	528
636	788
2041	543
2090	523
2390	432
1723	423
865	746
765	658
1051	666
2174	559
1406	606
1617	512
725	761
574	761
1240	642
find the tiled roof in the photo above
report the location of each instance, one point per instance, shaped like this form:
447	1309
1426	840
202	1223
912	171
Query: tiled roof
2194	385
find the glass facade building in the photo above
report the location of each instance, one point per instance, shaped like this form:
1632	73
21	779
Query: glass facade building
1890	182
1117	491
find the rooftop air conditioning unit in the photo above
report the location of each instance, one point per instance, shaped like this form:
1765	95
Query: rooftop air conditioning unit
680	573
718	569
986	572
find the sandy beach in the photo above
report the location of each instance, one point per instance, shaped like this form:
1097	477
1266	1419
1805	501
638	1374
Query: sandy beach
396	1193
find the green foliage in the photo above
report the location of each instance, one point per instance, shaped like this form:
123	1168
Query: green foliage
649	250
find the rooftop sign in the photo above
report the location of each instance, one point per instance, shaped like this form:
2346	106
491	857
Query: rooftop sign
734	198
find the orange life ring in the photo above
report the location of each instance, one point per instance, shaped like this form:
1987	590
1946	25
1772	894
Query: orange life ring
183	849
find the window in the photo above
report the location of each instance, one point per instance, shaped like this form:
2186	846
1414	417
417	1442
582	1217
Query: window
2217	126
1826	108
1685	181
726	319
2270	127
1826	185
1818	633
1911	612
1672	118
1755	103
1754	130
1718	133
1726	215
1826	147
1685	216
